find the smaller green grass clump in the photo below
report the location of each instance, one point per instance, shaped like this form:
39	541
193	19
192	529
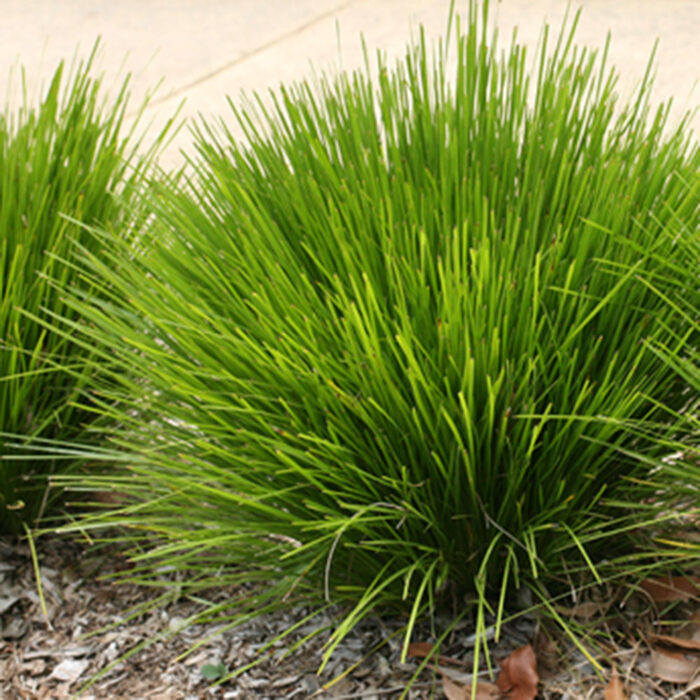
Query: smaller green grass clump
676	281
61	163
397	350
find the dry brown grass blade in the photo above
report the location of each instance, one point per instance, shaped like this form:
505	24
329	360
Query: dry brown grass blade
680	643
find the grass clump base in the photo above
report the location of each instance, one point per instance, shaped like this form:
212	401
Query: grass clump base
397	351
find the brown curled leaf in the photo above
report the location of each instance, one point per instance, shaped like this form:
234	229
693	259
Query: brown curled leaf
518	678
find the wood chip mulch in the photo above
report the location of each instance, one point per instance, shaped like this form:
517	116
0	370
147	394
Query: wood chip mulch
90	629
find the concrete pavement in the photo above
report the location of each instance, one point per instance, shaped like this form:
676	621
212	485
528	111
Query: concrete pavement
204	50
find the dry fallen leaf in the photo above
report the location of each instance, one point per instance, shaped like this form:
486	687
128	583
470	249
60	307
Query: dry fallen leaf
484	691
615	689
422	649
670	588
674	666
519	677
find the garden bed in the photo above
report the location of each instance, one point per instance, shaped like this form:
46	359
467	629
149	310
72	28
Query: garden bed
370	403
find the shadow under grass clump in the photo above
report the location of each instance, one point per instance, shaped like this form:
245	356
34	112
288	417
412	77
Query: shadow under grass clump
395	350
61	163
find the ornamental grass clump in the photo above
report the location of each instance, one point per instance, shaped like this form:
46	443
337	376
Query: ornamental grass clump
61	163
394	350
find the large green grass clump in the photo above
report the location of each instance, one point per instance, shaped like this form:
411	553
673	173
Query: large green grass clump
398	349
61	160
